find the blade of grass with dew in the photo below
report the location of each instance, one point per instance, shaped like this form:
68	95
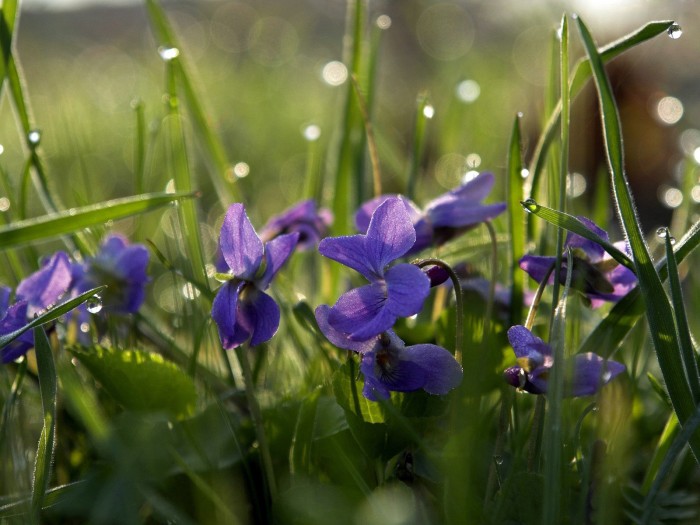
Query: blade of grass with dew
68	221
516	221
581	74
657	306
50	315
684	337
48	387
553	434
165	35
574	225
419	128
614	327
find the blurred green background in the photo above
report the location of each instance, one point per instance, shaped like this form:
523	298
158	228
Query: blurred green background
267	70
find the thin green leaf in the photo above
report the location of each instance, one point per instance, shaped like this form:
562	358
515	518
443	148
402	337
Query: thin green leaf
50	315
581	74
64	222
658	308
419	127
48	386
665	440
516	221
574	225
52	497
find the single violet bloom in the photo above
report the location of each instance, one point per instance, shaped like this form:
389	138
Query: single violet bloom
585	373
444	217
595	273
393	292
387	364
311	224
241	308
122	267
38	292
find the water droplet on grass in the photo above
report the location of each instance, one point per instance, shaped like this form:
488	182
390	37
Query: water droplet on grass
674	31
428	111
94	304
168	53
34	137
530	205
663	233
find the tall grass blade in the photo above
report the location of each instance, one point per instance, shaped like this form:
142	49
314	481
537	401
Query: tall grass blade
516	221
419	128
48	386
75	219
658	308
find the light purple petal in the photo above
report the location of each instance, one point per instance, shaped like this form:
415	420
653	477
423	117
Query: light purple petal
390	234
13	319
224	311
132	263
473	191
277	251
240	245
340	339
361	312
590	372
527	345
594	250
455	213
407	289
442	371
113	245
45	286
363	216
350	251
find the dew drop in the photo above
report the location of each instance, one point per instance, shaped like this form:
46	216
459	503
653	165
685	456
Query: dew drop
674	31
428	111
94	304
530	205
662	232
312	132
498	460
168	53
34	137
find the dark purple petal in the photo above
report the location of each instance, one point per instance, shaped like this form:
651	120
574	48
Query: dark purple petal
407	288
442	371
390	234
224	311
384	370
425	236
277	251
13	319
361	312
455	213
260	314
593	250
5	293
350	251
113	245
240	245
590	372
436	274
340	339
45	286
132	263
303	218
538	266
527	345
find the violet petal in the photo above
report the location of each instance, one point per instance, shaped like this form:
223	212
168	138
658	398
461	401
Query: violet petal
240	245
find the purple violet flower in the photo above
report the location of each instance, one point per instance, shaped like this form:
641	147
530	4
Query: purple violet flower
311	224
444	217
596	274
585	373
388	364
122	267
398	291
241	309
36	293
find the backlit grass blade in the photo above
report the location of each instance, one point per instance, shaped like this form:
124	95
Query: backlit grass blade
48	386
212	144
684	338
573	224
665	441
52	497
658	309
68	221
7	26
610	332
516	221
582	72
419	128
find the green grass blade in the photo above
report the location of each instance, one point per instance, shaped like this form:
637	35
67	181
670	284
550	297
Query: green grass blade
51	315
516	221
419	129
581	74
658	308
610	332
68	221
52	497
166	37
48	386
574	225
684	338
665	441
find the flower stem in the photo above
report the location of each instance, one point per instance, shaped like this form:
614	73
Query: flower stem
256	415
459	300
492	281
536	300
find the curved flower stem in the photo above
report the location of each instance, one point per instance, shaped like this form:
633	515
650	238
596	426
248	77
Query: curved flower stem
492	281
256	415
459	300
536	301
